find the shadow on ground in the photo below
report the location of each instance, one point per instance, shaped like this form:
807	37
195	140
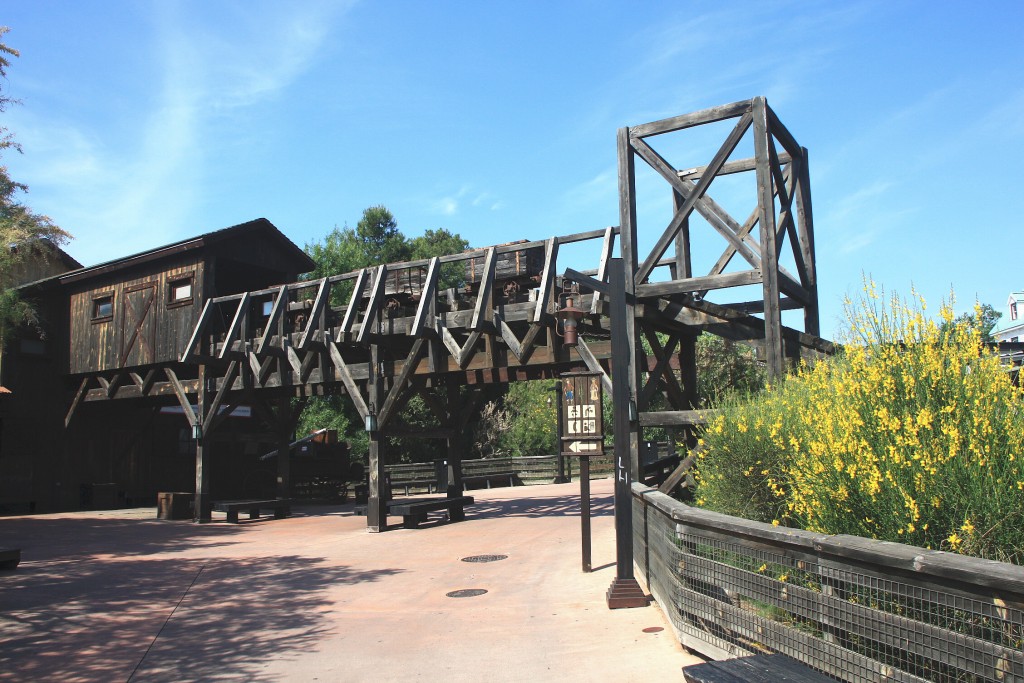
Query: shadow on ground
135	619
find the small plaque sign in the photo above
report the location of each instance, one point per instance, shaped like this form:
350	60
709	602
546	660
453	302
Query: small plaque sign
582	426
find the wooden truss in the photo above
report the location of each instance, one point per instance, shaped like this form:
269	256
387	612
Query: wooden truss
781	218
379	341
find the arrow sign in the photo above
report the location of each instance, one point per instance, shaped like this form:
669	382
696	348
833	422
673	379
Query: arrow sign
583	446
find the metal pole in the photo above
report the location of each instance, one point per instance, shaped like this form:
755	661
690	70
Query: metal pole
585	511
624	591
559	457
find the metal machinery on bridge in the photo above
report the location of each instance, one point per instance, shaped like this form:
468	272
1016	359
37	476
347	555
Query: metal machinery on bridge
385	333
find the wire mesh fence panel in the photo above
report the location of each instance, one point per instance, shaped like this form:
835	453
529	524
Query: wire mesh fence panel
887	612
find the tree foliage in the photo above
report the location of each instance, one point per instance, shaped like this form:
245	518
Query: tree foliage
726	367
20	227
983	318
375	240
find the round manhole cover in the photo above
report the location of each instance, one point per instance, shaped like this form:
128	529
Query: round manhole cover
653	629
467	593
484	558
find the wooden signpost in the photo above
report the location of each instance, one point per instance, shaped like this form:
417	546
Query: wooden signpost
581	435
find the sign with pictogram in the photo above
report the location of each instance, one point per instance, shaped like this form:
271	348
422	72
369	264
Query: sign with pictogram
582	425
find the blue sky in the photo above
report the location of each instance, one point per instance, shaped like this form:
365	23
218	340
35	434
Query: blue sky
148	122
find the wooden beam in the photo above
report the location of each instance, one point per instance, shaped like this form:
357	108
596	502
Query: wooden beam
675	418
697	284
729	168
234	330
218	398
508	336
484	305
346	377
805	227
315	322
663	355
669	235
679	474
781	133
398	386
697	118
179	391
593	365
769	260
75	401
427	296
197	331
547	281
529	342
276	311
353	305
602	269
373	308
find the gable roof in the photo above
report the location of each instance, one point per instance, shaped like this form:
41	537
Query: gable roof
260	226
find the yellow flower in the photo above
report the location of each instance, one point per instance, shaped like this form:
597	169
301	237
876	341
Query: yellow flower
954	540
967	527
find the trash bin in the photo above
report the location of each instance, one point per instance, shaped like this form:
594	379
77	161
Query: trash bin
175	505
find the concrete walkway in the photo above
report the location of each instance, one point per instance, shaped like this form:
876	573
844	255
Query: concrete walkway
120	595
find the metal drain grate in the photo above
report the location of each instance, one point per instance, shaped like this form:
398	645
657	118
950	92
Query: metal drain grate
467	593
484	558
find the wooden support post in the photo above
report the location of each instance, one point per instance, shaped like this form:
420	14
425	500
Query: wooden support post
624	591
769	254
628	250
805	225
377	505
203	507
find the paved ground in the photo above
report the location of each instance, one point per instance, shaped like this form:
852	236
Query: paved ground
120	595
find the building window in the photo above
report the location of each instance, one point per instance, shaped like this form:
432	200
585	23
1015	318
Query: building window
102	308
1013	310
179	291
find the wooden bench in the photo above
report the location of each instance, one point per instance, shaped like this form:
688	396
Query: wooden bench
490	480
9	558
414	510
754	669
282	507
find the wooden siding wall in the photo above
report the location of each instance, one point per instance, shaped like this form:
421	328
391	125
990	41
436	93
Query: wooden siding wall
143	328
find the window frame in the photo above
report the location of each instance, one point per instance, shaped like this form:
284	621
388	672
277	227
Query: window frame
97	298
176	282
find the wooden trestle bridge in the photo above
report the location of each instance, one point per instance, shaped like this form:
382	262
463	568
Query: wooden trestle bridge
385	333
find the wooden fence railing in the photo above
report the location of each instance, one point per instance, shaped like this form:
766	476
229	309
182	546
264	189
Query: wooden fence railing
540	469
856	609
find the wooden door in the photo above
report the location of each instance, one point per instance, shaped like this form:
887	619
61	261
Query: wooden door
138	325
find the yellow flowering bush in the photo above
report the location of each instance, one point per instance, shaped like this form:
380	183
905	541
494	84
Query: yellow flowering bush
914	433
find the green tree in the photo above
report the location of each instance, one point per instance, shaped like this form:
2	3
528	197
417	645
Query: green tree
983	318
20	227
532	422
375	240
726	367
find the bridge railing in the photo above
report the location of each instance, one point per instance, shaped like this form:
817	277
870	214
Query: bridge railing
853	608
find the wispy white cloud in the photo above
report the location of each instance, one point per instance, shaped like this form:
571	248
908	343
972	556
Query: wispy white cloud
453	203
125	190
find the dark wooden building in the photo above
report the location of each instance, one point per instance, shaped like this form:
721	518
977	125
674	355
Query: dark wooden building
131	317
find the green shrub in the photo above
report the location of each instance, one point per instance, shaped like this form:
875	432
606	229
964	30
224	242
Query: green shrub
913	434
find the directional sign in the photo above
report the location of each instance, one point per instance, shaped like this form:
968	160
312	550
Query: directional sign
587	447
582	430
